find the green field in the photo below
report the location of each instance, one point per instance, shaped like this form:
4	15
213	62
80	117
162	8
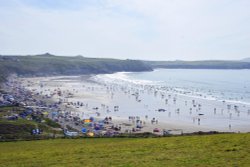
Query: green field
208	150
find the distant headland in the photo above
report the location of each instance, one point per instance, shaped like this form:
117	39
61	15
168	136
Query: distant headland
48	64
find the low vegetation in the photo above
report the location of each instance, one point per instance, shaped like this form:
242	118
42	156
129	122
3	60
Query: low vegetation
12	128
205	150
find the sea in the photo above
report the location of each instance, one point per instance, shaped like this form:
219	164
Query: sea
219	99
229	85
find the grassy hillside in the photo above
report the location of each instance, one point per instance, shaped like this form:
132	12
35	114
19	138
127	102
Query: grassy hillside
47	64
21	128
214	150
209	64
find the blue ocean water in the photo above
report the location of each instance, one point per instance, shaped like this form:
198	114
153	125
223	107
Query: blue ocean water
233	85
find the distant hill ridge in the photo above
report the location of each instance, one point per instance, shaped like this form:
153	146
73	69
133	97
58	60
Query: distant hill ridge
246	59
45	55
205	64
48	64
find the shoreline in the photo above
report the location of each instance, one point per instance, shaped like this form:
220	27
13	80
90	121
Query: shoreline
54	83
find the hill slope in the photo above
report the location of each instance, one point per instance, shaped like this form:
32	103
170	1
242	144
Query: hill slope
213	150
47	64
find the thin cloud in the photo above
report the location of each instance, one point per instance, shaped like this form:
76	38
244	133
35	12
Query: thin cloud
136	29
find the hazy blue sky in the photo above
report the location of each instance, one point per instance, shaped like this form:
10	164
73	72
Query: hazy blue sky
135	29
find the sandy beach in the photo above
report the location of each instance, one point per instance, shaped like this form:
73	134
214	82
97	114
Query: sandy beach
136	108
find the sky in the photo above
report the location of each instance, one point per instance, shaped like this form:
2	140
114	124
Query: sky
127	29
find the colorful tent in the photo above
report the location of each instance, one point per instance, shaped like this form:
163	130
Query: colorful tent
84	130
90	134
87	121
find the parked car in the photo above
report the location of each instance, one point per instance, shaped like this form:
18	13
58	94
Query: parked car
156	130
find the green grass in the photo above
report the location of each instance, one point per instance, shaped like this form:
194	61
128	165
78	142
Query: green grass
21	130
208	150
51	123
10	109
